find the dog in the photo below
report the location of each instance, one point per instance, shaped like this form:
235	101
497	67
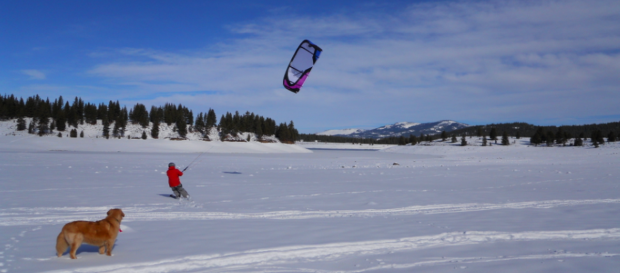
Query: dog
101	233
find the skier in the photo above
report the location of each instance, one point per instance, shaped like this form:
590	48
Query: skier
175	183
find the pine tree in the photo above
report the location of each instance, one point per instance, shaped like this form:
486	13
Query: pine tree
578	142
73	133
59	134
106	127
505	140
597	136
453	140
200	124
155	130
282	133
479	132
493	134
182	126
81	134
412	139
518	136
43	127
143	134
401	140
293	134
484	141
31	127
211	119
444	135
463	141
560	136
550	139
21	124
611	137
259	128
536	139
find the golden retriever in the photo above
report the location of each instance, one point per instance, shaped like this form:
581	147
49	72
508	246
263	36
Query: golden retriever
101	233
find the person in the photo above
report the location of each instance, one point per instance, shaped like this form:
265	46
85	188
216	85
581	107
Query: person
174	181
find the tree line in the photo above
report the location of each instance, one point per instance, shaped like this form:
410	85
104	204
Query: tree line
48	116
528	130
538	134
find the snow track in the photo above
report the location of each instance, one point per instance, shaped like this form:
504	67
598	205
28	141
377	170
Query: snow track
273	259
162	212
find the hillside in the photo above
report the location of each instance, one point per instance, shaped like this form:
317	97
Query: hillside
12	140
528	130
399	129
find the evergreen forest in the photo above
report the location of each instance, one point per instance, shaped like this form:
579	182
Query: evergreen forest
60	115
597	133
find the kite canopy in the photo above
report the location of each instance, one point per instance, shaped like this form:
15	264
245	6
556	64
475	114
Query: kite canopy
299	68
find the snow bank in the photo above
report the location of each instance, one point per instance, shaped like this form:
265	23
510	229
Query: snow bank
11	140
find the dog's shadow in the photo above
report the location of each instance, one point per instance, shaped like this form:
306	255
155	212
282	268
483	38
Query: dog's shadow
86	248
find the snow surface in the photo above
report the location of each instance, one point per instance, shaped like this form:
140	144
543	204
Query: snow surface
436	208
405	124
341	146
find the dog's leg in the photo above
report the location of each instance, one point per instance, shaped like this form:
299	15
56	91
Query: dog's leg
102	249
109	245
77	241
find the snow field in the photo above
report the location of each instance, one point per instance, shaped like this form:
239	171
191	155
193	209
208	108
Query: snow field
443	208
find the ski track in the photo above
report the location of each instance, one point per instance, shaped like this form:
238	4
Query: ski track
272	259
162	212
458	262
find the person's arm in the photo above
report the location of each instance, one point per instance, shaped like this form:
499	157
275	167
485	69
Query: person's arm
180	172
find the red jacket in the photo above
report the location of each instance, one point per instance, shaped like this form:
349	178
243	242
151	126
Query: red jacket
173	176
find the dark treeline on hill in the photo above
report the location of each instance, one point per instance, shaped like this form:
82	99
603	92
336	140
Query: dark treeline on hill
58	114
521	129
539	134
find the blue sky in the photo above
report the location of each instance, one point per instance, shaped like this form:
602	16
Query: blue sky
478	62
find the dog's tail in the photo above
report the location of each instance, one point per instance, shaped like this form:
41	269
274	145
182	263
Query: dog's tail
61	244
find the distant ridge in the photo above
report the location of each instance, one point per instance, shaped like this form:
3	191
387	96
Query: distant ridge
399	129
343	132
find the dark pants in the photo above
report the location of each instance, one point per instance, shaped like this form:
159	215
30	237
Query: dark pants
179	191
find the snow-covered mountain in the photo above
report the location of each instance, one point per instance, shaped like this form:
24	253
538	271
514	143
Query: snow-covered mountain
342	132
401	129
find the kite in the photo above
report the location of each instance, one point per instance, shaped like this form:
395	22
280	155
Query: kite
299	68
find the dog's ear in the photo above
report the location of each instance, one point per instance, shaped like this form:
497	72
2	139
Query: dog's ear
122	214
109	211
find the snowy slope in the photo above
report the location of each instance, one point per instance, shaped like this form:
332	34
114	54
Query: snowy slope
410	128
435	208
340	132
400	129
12	140
96	131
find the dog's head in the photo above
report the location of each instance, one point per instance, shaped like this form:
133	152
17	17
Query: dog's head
116	214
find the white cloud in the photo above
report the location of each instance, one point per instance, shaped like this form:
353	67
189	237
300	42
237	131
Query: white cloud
34	74
476	61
